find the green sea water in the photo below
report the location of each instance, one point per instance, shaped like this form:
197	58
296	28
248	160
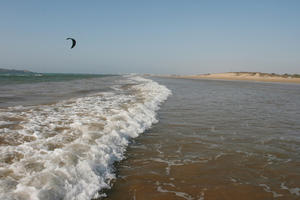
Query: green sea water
8	79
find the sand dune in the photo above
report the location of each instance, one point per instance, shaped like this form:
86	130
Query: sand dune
247	76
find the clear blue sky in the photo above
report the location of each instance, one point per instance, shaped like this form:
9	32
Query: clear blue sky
183	37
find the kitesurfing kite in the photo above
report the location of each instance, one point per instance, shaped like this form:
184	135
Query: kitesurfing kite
73	42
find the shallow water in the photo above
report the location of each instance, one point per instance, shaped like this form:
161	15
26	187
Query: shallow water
60	139
50	88
217	140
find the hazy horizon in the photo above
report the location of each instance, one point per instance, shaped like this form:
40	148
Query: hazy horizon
169	37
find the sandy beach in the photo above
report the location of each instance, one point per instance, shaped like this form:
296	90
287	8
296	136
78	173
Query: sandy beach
245	76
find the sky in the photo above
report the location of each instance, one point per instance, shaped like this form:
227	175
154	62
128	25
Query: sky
157	36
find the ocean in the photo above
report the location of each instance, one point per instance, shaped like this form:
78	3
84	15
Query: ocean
82	137
60	135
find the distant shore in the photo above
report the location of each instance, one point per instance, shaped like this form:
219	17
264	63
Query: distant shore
244	76
15	72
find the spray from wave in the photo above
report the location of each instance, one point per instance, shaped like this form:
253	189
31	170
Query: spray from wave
66	150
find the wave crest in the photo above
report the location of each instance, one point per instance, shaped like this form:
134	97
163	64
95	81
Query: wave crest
66	150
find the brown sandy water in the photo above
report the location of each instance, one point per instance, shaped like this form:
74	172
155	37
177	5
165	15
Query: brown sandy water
217	140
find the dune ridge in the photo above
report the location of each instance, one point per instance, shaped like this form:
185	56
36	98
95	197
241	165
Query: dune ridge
246	76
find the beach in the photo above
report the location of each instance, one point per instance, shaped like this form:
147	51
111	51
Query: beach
150	100
130	137
243	76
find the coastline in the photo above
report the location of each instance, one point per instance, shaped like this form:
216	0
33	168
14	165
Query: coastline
241	76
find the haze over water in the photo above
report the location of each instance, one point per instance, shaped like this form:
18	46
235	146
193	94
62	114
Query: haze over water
217	140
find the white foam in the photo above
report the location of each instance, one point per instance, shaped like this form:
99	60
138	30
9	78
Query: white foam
177	193
268	189
75	142
294	191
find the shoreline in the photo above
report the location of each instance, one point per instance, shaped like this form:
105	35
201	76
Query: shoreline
241	76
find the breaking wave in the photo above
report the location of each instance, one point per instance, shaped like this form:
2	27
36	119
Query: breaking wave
66	150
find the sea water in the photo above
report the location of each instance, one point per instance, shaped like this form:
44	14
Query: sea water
60	135
226	140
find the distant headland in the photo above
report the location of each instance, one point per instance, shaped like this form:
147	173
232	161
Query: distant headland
15	72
